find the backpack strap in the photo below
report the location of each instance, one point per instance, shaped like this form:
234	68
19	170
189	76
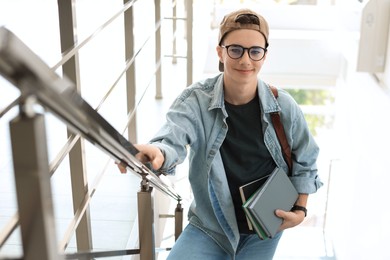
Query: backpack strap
275	117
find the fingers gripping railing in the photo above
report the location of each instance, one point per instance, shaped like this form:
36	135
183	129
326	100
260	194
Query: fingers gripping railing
38	83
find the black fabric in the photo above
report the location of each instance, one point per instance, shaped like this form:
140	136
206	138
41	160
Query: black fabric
244	153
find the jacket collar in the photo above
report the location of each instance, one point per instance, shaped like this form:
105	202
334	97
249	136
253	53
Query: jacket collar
267	99
217	100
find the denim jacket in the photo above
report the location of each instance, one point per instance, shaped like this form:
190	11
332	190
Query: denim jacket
196	123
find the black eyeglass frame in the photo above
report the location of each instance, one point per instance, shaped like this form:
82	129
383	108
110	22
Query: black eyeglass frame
243	51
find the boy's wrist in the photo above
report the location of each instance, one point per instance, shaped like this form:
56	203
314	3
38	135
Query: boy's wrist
299	208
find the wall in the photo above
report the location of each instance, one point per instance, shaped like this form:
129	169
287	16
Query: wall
385	77
357	217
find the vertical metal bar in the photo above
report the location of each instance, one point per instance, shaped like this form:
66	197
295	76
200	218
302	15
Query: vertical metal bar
32	180
178	220
189	22
146	222
157	18
68	35
174	31
130	73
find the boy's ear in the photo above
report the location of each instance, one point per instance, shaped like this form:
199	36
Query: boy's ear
219	52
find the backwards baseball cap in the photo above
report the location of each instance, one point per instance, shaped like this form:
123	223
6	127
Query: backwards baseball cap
242	19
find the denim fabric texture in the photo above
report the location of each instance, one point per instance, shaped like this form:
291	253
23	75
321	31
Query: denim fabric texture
196	126
194	244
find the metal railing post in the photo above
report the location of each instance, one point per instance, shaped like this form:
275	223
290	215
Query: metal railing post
67	21
130	73
178	220
189	22
174	28
145	221
20	66
32	180
157	14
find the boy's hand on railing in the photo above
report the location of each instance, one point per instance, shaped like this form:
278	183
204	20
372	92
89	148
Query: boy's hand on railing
147	154
122	168
150	154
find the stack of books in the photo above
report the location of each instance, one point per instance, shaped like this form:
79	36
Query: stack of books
265	195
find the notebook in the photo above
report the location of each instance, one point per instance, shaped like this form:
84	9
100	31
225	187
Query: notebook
247	190
276	193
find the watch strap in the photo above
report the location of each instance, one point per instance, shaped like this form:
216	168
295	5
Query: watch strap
296	207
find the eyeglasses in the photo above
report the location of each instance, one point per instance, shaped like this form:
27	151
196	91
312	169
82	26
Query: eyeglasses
256	53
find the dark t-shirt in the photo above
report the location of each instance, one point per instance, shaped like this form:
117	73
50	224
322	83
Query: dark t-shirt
244	153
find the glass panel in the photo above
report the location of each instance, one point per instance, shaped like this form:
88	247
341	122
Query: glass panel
316	104
314	97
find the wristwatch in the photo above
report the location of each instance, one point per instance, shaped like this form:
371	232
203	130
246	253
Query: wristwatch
296	207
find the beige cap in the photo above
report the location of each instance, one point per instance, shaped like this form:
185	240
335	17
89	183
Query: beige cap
242	19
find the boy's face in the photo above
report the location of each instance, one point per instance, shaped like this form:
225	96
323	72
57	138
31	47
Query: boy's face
243	69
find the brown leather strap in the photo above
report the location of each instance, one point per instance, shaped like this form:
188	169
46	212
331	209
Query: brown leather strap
275	116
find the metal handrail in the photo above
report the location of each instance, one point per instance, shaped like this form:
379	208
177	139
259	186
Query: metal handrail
9	107
40	84
35	79
69	54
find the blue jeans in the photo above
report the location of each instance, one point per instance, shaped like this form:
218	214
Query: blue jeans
194	244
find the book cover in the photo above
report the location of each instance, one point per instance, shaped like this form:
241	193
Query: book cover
276	193
256	225
247	190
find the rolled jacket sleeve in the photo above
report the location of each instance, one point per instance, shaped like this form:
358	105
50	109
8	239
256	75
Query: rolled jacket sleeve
304	151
